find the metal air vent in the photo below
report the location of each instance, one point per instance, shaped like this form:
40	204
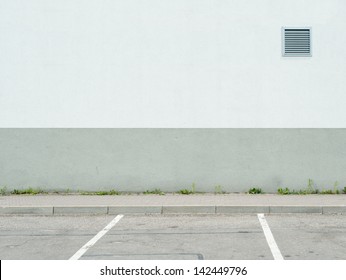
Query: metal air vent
296	41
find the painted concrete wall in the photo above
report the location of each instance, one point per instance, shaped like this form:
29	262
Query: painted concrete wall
164	63
172	159
170	64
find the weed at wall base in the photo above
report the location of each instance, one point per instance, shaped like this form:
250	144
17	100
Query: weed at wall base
219	190
30	191
186	191
111	192
3	191
155	191
255	191
284	191
327	192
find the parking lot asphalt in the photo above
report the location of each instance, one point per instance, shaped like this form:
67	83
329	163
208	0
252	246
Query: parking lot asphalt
173	237
171	226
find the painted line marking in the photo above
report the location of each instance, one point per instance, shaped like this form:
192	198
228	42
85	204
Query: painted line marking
270	238
97	237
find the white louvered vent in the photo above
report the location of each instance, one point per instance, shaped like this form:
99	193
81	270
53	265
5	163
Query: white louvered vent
296	41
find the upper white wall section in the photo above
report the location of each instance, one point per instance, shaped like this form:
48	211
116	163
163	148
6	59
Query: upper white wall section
164	63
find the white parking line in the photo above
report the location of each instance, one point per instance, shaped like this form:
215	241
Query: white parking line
98	236
270	238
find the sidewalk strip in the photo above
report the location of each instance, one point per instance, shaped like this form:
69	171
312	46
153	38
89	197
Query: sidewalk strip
98	236
270	238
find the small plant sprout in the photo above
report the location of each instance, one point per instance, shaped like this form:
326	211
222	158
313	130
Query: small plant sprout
110	192
218	190
154	191
3	191
193	188
30	191
327	192
255	190
186	191
310	189
336	190
284	191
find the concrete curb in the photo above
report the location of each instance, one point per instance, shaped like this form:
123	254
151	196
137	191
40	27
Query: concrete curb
19	210
135	210
334	210
242	209
80	210
190	209
296	209
167	209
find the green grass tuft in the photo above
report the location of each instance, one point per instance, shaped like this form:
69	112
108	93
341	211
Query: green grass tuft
111	192
219	190
3	191
154	191
255	191
30	191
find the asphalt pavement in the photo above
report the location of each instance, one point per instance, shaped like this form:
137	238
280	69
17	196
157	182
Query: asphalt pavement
173	237
173	227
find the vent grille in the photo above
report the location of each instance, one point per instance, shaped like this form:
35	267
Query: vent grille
297	41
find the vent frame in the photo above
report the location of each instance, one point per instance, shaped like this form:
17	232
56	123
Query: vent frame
295	54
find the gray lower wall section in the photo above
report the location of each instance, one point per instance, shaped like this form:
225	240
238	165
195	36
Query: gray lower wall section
172	159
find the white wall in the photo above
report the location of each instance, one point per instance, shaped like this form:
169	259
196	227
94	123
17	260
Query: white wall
163	63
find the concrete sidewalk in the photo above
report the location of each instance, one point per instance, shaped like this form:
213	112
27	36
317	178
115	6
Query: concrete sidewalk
71	204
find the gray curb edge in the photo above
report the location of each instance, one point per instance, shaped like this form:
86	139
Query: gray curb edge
168	209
